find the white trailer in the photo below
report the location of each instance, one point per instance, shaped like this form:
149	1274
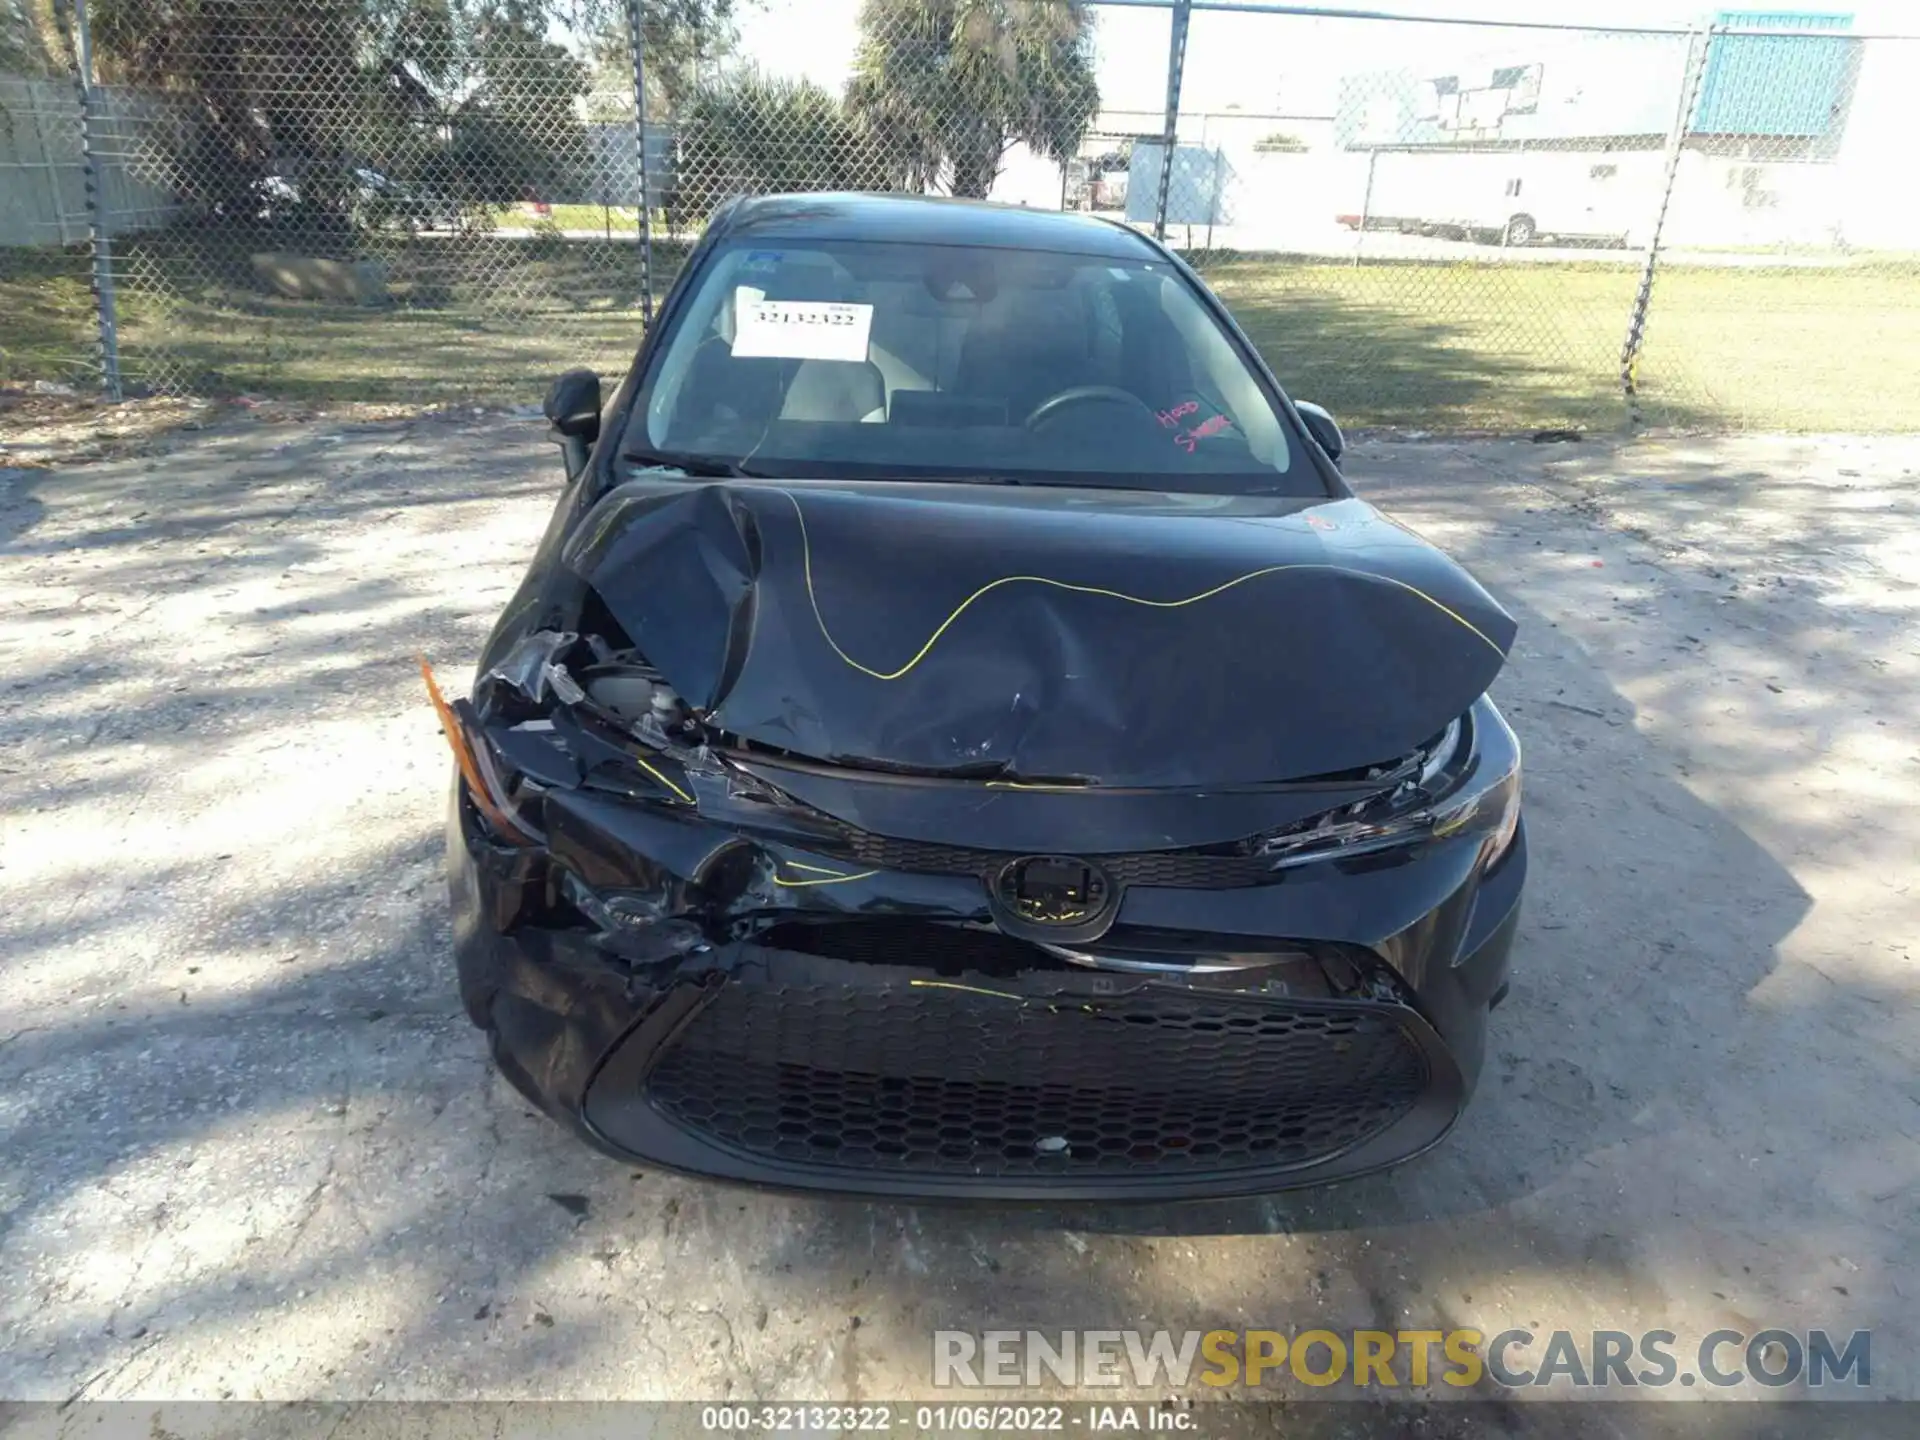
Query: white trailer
1510	197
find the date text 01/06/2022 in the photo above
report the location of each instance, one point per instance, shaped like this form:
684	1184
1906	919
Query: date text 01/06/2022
937	1419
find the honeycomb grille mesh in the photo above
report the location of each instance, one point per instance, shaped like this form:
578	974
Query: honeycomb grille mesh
940	1081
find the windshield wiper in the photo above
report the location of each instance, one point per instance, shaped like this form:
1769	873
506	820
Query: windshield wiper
688	464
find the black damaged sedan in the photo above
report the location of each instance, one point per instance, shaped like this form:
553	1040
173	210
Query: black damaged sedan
960	736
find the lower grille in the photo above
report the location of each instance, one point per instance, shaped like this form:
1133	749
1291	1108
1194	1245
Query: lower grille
942	1081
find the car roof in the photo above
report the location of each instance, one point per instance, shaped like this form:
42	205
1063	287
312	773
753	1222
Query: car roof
930	220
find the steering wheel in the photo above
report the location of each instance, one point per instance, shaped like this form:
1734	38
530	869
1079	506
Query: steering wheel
1085	395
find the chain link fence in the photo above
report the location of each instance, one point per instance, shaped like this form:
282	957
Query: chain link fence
339	199
1579	226
46	313
1424	224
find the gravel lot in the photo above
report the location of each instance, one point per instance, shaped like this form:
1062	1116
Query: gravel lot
249	1146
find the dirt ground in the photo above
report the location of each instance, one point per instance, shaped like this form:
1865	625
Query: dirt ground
250	1147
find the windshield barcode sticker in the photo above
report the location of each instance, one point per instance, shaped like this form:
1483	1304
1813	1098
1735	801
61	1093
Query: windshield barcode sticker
799	329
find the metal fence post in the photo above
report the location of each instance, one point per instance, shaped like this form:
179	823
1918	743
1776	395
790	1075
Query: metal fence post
1699	44
636	31
96	217
1176	63
1366	204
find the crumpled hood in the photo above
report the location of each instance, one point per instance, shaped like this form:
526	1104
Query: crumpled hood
1118	637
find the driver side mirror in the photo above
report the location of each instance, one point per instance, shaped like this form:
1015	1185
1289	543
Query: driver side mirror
1323	427
572	409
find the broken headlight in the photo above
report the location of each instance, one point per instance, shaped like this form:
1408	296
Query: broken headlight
534	725
485	786
1466	779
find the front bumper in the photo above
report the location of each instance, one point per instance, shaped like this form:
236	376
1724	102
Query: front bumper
926	1070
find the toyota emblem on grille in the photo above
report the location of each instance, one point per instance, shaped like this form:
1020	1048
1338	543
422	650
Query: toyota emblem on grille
1053	889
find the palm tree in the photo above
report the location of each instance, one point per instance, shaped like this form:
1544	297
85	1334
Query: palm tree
945	88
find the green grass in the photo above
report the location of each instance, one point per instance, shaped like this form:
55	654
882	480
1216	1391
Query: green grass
488	320
1522	346
47	325
615	219
1436	346
1834	350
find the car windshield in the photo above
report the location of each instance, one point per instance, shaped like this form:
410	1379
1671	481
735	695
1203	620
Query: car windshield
865	359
